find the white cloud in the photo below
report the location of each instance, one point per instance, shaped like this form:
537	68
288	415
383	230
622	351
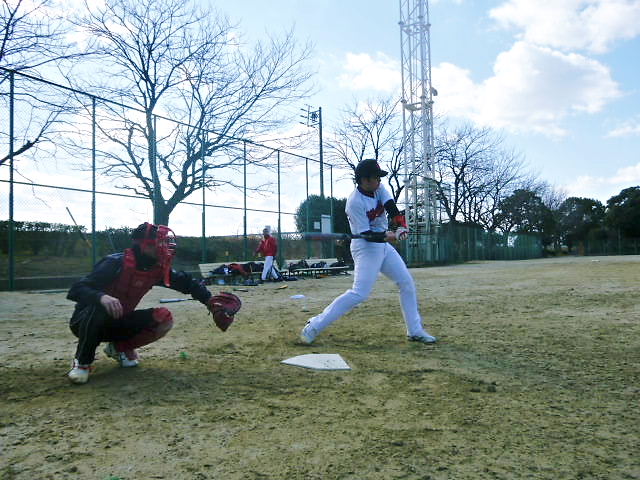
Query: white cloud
362	71
457	93
603	188
592	25
532	89
629	175
627	129
539	82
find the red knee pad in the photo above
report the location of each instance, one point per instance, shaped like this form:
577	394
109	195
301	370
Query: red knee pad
162	315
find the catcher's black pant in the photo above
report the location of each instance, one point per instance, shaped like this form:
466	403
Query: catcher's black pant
92	325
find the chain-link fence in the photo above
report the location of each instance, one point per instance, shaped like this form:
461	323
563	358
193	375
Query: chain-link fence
78	163
606	243
54	255
80	171
456	243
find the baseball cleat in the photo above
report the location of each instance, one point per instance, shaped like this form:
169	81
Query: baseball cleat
120	357
79	374
307	335
424	338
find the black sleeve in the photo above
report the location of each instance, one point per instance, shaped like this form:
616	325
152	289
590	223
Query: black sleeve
90	289
184	282
375	237
391	208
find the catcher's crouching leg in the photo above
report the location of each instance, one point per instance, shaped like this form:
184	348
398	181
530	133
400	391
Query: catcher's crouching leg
163	322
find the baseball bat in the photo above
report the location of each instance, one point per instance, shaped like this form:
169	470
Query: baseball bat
174	300
334	236
84	237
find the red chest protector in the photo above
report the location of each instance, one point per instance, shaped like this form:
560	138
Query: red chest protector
131	285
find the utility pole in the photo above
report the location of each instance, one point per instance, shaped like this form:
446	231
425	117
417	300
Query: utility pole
313	118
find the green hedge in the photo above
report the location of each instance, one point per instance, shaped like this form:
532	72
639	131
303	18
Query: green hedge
40	239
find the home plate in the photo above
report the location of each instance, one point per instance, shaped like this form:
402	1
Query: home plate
319	361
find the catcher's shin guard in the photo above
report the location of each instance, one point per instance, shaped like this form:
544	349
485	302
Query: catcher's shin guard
163	323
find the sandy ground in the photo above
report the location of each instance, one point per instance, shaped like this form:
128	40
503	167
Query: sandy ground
536	375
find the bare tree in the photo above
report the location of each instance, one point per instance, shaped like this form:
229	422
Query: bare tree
371	130
167	56
506	173
552	197
474	173
33	36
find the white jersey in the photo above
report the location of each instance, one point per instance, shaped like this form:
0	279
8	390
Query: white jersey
367	213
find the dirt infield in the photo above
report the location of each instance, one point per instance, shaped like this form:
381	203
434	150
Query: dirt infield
536	375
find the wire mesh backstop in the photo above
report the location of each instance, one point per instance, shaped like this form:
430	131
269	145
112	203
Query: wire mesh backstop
73	183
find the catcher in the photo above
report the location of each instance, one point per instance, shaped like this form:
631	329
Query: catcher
107	298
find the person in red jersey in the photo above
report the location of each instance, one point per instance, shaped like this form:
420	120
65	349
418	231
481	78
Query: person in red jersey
269	248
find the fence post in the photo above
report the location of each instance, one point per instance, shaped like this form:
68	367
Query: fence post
506	252
203	241
94	253
306	167
280	257
619	246
333	227
12	258
154	171
476	255
245	244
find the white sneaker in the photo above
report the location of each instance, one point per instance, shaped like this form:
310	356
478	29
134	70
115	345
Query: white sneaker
422	338
79	373
308	334
120	357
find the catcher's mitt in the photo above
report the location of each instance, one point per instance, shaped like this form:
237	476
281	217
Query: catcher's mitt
223	307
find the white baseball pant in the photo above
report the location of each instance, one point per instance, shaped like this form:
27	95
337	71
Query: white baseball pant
370	259
267	269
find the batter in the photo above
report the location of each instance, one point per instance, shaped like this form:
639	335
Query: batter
366	210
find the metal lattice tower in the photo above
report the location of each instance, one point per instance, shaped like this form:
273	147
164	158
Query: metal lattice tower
417	118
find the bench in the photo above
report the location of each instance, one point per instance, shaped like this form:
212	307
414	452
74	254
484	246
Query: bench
316	272
230	278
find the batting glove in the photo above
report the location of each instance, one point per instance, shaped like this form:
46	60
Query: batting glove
402	233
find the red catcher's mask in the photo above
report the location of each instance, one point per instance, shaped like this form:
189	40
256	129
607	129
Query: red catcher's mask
165	243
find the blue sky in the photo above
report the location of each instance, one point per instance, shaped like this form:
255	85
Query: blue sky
559	78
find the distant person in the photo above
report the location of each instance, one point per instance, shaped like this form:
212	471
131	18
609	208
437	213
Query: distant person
107	299
269	248
366	211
